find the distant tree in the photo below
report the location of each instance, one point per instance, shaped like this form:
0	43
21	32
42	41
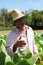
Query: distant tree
37	18
6	17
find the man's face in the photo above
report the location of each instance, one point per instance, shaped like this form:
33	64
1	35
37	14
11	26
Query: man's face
20	22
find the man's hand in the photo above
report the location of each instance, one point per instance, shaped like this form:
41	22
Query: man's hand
20	43
39	60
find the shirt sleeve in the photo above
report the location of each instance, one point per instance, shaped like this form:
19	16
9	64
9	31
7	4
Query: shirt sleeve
35	49
12	38
10	50
9	46
31	41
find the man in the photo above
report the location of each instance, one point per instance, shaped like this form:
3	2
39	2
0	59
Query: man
21	37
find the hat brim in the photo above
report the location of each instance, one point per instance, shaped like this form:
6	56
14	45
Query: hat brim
18	18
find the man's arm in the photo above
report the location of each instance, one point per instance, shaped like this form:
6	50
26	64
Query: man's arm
35	49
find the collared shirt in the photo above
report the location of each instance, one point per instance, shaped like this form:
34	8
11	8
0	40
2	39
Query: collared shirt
15	35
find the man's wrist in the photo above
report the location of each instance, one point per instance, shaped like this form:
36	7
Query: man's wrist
14	47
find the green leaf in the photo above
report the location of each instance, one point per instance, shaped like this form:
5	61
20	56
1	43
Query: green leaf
33	59
29	55
27	51
2	58
10	63
23	62
15	58
41	63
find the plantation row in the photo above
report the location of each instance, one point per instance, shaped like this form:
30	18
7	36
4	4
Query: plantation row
18	58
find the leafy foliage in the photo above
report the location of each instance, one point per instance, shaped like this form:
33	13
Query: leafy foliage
18	58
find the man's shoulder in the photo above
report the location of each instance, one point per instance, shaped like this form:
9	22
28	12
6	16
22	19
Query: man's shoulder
29	27
12	32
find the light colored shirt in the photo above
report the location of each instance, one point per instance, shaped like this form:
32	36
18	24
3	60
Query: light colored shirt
15	35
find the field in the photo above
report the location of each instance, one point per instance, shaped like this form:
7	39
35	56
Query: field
18	58
7	32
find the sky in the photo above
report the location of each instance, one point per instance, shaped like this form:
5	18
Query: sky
23	5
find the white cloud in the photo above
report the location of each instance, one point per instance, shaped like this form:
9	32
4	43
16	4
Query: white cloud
38	3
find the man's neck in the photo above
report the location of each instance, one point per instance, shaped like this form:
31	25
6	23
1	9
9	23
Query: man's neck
21	28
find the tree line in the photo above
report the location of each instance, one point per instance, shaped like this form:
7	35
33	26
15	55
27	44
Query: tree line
33	18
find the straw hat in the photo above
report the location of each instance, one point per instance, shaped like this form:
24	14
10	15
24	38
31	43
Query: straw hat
17	14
